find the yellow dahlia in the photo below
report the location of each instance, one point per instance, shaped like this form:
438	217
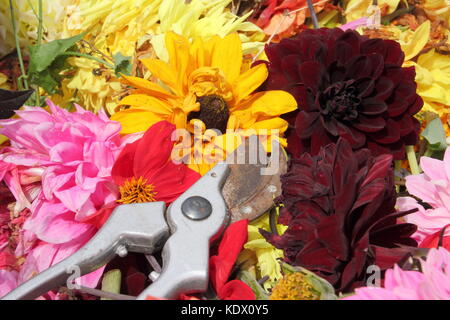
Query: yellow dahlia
437	8
204	84
91	86
204	19
433	81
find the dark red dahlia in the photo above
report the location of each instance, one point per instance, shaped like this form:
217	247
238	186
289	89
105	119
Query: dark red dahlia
346	85
339	209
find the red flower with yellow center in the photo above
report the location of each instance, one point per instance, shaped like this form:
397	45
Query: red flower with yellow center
145	172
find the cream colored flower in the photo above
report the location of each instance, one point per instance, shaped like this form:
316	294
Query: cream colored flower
27	22
356	9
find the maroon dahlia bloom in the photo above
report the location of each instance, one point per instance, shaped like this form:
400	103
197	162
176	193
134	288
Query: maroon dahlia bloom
339	209
346	85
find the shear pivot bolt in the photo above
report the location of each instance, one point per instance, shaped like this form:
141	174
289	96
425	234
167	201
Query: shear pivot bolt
196	208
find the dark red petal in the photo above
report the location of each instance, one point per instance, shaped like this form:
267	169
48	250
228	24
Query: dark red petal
330	125
365	87
356	138
305	123
372	106
311	73
369	123
383	88
390	133
289	65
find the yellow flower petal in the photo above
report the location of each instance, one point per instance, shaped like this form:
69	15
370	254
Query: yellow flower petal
148	103
178	47
272	103
135	120
271	124
249	81
227	56
150	87
164	72
418	40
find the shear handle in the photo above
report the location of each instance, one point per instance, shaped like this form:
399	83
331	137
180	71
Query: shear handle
138	227
186	252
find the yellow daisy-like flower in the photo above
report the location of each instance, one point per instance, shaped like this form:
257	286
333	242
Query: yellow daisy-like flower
204	81
266	256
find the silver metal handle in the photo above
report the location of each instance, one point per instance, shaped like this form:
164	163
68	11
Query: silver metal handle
138	227
196	218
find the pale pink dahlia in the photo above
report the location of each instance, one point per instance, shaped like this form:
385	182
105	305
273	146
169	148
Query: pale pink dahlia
433	283
69	156
432	187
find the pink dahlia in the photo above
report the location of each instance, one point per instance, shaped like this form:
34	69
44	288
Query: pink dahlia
66	158
433	283
432	187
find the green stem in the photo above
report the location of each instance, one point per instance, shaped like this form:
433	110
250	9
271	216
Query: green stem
428	153
397	167
411	155
84	55
19	52
40	26
39	40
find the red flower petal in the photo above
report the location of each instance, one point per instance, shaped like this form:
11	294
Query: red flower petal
236	290
99	218
123	168
154	149
432	240
230	246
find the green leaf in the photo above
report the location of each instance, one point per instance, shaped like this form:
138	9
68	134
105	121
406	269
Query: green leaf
122	64
48	60
42	56
251	281
434	133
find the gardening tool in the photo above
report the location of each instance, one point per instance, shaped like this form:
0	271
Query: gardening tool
184	231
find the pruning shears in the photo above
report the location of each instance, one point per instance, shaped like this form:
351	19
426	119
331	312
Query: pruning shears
184	231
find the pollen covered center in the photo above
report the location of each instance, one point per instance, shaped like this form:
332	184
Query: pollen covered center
137	191
294	286
213	112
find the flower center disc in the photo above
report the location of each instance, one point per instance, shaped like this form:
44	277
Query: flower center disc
213	112
294	286
340	101
137	191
